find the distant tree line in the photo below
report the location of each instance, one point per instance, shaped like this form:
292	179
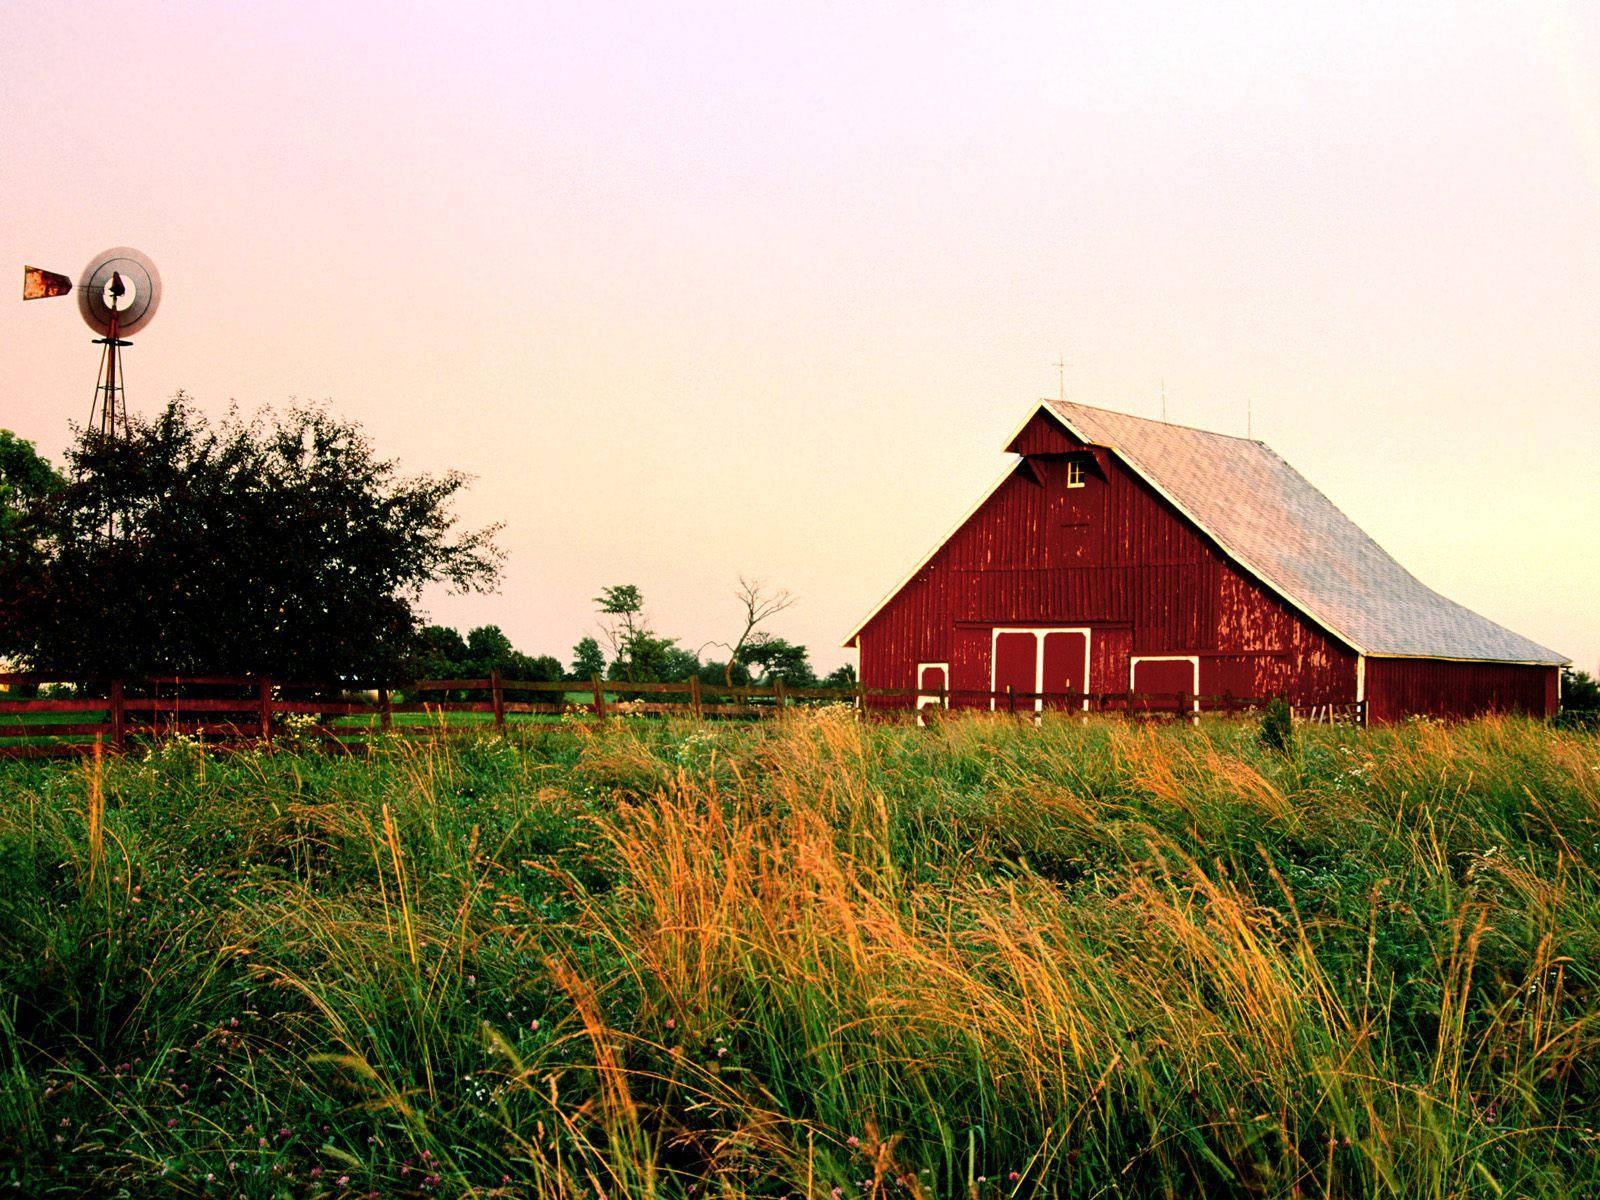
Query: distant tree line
632	652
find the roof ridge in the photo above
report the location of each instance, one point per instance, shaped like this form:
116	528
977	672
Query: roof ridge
1154	421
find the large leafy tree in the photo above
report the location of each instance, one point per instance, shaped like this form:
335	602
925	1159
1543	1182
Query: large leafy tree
281	544
27	484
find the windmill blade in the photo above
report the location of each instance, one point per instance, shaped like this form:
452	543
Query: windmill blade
133	306
39	284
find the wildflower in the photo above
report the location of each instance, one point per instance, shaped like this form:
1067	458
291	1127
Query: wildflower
1014	1176
316	1172
672	1022
852	1141
344	1180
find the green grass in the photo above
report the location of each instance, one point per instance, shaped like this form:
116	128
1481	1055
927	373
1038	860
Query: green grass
984	960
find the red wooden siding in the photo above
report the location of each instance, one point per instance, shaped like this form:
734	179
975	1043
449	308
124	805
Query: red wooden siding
1042	436
1399	687
1112	556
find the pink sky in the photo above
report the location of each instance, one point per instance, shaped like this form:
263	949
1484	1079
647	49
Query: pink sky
711	289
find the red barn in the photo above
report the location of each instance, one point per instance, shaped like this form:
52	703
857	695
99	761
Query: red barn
1121	554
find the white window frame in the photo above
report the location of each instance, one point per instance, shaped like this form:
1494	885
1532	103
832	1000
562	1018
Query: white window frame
924	699
1039	632
1192	659
1077	477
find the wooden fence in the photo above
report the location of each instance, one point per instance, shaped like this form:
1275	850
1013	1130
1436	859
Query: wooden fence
115	713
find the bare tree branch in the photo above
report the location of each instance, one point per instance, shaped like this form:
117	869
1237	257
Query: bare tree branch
759	606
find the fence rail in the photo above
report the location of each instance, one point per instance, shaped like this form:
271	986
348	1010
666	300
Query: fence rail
250	709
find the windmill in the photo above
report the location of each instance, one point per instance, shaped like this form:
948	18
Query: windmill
118	294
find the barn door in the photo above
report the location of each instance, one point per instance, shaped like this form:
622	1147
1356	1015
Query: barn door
1066	667
1035	662
1161	681
1016	665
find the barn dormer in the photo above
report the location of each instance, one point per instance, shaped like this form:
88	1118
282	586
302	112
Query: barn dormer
1050	450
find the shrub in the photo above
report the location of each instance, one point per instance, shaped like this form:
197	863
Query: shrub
1277	726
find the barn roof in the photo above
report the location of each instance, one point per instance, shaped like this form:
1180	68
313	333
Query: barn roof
1268	518
1274	523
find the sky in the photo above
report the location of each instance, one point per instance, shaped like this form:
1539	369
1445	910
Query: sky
702	290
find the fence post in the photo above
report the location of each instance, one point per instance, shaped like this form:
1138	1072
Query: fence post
779	696
264	708
696	705
118	718
1011	699
599	697
861	700
498	695
385	710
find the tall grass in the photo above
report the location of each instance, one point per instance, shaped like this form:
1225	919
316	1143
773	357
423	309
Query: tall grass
987	959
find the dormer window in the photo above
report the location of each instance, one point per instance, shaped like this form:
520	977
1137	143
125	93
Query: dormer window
1075	473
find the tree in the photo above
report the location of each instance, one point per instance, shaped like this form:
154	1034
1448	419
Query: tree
280	546
1579	691
488	649
637	654
437	653
646	658
27	485
734	674
625	604
841	677
780	659
759	605
588	660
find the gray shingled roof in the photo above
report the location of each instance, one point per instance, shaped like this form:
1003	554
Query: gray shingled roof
1270	519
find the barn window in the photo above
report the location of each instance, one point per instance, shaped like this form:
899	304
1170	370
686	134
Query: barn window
1074	473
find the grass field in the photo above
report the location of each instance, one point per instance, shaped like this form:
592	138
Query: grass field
810	959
